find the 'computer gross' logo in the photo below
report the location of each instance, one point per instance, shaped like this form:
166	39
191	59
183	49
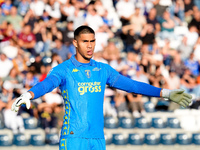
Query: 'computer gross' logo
84	87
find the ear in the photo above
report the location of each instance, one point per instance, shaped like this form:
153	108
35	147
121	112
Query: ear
75	43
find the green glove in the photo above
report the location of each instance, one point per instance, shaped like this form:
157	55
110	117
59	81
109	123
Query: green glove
178	96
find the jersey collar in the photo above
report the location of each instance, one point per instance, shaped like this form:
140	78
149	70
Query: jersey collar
78	64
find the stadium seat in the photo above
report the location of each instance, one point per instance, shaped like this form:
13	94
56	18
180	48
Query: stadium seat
52	139
173	123
158	123
196	138
5	140
37	140
135	139
120	139
20	140
183	139
143	123
167	139
111	123
30	123
149	107
108	138
151	139
126	123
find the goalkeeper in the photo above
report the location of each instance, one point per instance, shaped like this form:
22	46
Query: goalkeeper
82	82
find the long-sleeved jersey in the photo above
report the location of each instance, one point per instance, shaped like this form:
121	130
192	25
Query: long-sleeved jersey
82	87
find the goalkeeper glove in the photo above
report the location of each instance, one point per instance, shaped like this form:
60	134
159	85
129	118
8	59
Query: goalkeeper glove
178	96
23	99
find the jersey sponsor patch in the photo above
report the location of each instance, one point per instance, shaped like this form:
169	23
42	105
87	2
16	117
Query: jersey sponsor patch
91	87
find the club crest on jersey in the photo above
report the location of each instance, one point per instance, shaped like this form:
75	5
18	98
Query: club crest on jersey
88	73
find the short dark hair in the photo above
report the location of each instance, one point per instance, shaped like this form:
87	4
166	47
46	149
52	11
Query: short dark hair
82	30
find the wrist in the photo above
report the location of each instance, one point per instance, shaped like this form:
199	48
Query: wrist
28	95
165	93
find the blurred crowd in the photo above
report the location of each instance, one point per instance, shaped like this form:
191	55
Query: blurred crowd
152	41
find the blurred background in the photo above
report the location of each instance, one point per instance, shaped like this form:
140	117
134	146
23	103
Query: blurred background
152	41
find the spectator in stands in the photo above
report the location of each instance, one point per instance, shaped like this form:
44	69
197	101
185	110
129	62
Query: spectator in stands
67	10
15	19
5	65
77	18
189	5
177	64
9	33
91	16
19	62
23	7
53	35
44	71
136	102
37	7
42	42
103	34
36	65
61	50
14	78
53	9
131	62
195	20
192	64
125	8
167	27
197	50
2	18
30	79
27	40
59	113
68	36
137	20
189	84
111	52
147	35
6	7
177	11
48	119
130	38
188	42
151	19
6	94
56	59
30	19
98	5
12	121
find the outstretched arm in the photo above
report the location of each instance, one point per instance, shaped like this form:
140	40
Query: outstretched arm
47	85
177	96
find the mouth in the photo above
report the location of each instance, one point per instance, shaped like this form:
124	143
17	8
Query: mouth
90	52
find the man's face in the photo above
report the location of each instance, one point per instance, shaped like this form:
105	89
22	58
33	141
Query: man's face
85	44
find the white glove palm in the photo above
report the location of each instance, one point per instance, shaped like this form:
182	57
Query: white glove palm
23	99
178	96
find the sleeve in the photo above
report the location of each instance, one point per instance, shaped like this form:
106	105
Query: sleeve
53	80
46	86
112	75
132	86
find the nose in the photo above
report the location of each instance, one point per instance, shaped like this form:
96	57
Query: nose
89	44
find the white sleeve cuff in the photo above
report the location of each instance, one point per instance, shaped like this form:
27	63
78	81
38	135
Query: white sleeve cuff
165	93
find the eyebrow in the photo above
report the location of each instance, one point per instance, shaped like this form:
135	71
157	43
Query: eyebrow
89	41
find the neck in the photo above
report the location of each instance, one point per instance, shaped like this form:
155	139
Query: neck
81	59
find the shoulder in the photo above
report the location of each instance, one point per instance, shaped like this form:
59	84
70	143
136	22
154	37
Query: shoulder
61	68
